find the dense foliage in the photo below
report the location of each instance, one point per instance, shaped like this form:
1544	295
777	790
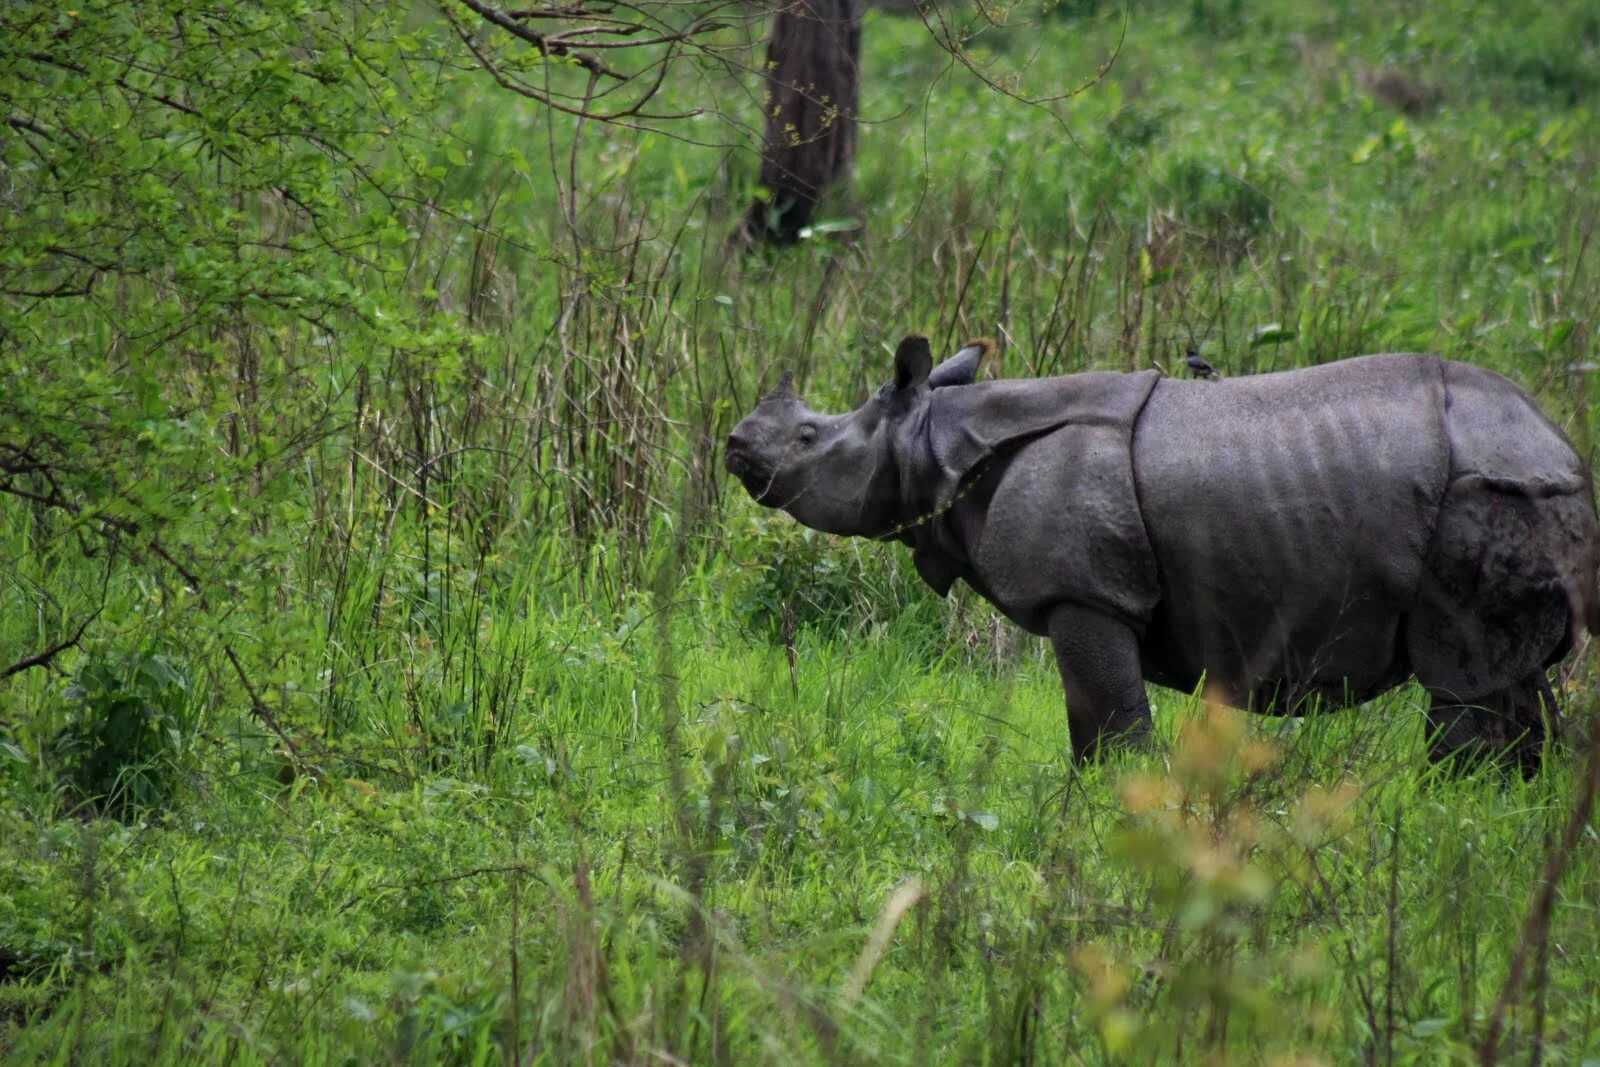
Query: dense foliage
390	674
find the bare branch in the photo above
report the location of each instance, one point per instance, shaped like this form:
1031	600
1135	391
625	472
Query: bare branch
547	46
66	288
651	38
952	40
505	81
17	122
43	659
264	715
121	83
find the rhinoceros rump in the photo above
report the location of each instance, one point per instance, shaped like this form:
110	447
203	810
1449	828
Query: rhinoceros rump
1322	532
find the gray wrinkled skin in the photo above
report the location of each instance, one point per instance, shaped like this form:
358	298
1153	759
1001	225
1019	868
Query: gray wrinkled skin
1326	532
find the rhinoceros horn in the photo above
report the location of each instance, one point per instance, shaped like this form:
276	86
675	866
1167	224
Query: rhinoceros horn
785	386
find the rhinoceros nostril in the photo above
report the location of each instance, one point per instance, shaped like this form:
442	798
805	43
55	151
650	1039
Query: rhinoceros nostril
736	456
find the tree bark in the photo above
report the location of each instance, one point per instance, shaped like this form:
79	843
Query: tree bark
813	94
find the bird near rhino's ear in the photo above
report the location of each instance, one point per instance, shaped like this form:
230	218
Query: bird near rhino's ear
912	362
962	368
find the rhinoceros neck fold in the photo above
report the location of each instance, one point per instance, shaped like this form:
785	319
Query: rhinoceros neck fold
919	479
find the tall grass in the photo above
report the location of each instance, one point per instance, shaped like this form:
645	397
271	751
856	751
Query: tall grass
479	719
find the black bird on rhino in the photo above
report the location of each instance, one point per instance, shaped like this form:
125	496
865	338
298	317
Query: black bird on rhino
1198	366
1326	532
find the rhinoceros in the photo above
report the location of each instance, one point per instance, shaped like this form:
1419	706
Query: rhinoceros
1327	532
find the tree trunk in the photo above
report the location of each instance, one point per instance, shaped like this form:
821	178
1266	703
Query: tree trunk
813	93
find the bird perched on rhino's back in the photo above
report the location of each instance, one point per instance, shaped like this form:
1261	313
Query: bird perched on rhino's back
1198	366
1323	532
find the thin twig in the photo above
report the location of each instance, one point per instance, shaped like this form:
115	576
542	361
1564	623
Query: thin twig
264	714
42	659
520	867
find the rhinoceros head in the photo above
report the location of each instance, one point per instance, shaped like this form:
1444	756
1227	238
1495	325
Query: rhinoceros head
841	473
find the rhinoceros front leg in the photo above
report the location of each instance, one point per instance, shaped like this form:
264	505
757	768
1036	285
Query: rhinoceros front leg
1099	661
1506	727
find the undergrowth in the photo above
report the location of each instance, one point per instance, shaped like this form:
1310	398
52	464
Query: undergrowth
399	678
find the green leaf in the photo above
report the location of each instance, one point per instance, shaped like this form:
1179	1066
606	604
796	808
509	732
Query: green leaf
1559	333
1366	148
1272	334
829	226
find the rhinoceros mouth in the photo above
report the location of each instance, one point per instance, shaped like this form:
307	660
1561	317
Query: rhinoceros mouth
745	467
738	463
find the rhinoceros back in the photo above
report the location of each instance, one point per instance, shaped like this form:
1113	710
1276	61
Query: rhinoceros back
1290	515
1337	528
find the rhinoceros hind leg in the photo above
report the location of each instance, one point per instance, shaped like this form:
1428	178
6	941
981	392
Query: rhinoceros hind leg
1099	661
1506	727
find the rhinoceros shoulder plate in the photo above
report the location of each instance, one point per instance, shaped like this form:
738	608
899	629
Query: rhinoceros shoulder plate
1064	527
967	426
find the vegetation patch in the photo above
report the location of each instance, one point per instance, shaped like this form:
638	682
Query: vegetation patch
389	671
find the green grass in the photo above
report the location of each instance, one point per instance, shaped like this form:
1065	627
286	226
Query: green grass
496	726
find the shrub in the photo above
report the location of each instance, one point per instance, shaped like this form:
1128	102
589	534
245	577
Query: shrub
118	751
1231	209
805	580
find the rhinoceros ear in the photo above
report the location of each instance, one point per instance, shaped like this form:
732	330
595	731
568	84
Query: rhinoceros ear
961	368
912	362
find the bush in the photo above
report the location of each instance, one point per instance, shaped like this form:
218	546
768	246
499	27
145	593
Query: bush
119	749
1230	209
804	580
1553	57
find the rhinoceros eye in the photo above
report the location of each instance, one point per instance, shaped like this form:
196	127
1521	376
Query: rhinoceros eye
806	435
